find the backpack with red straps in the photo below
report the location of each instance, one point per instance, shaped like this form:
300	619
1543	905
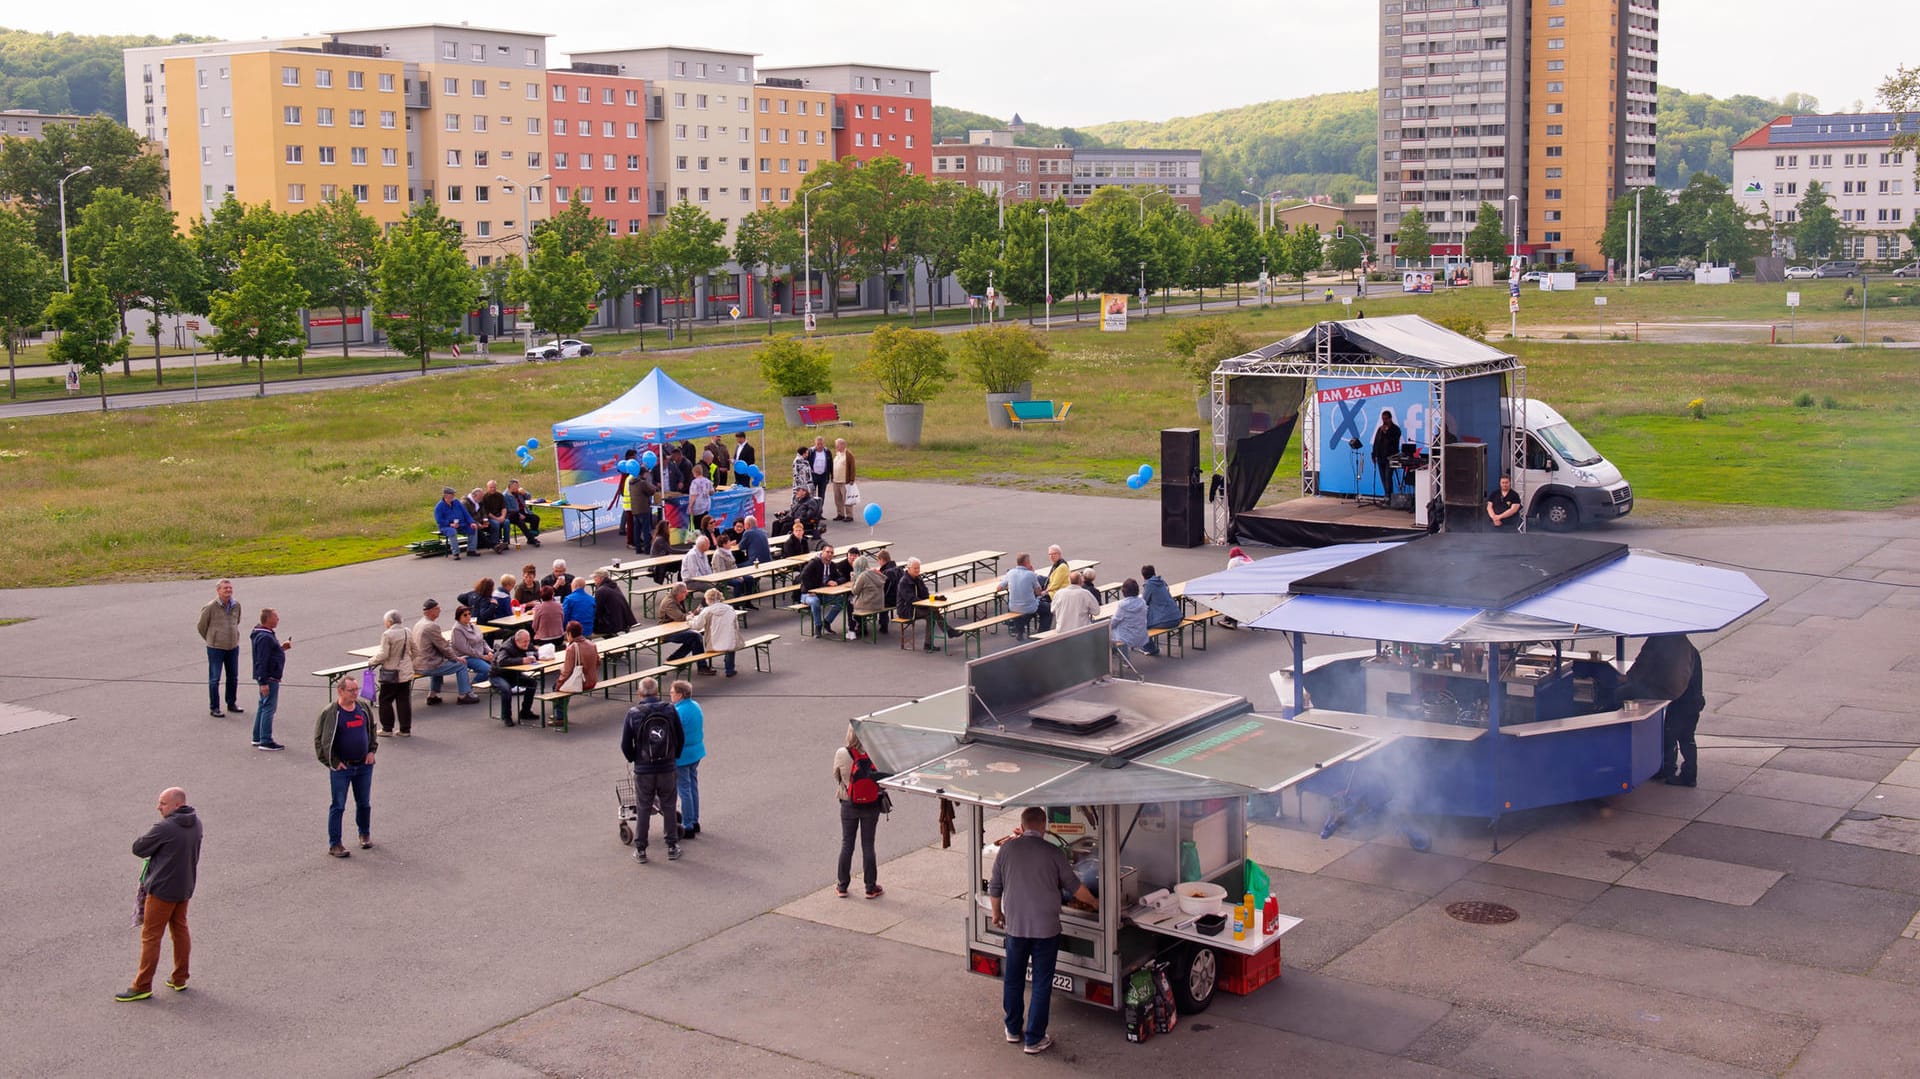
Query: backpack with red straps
863	788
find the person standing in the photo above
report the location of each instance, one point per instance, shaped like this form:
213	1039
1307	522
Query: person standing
742	454
693	724
344	741
1386	445
820	465
579	671
220	629
651	739
269	665
172	851
1030	874
843	477
393	674
1668	669
858	786
700	498
802	468
623	497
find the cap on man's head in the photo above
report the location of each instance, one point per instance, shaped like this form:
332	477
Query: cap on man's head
430	605
447	490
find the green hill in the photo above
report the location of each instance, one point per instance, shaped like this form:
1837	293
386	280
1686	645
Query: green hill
77	73
950	123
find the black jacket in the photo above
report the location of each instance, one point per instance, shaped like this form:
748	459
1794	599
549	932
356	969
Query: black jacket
892	572
1386	440
907	591
612	613
636	722
815	574
173	845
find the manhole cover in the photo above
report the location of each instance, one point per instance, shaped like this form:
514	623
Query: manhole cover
1478	913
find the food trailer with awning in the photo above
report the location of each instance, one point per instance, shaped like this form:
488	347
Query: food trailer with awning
1146	788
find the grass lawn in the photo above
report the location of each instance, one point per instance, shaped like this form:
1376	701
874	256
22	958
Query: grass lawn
300	482
224	374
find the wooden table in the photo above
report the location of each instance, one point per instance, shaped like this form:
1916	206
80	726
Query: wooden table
967	565
777	567
627	569
841	596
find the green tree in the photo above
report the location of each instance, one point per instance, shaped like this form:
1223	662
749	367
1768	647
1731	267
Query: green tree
115	157
942	228
1658	228
1169	250
910	366
495	279
110	217
765	239
70	73
259	315
1023	264
219	240
884	192
1900	94
686	246
1818	229
621	265
89	326
1711	224
1488	240
336	250
575	230
979	266
1239	239
424	284
1209	268
1346	253
162	276
27	279
1000	359
1414	244
834	232
1301	253
556	289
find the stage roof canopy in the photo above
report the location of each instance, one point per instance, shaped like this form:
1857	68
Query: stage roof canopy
1405	339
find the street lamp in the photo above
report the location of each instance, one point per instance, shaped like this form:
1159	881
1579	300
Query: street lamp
1046	225
1143	288
66	277
806	241
526	229
1263	208
1513	257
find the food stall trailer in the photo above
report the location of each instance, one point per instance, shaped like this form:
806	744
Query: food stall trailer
1146	789
1481	680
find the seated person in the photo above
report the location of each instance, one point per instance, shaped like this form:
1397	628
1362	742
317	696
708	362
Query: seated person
578	604
1163	611
909	588
520	512
806	511
514	652
1128	626
493	514
796	543
451	520
718	625
1503	508
818	573
469	645
1024	588
480	602
870	594
485	525
686	642
661	547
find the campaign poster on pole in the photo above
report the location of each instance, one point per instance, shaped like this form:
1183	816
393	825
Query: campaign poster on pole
1113	312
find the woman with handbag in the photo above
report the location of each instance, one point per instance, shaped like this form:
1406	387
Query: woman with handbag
393	675
579	671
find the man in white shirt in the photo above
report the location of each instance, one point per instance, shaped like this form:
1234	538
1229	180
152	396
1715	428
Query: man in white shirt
696	565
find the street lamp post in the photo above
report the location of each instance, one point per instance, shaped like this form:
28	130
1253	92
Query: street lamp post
1263	208
1143	205
1143	288
1513	309
66	276
1046	226
526	228
806	243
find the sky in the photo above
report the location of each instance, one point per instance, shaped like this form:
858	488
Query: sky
1133	60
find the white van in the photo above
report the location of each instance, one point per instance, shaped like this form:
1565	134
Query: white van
1567	482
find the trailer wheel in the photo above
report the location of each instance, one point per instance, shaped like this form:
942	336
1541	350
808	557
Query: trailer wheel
626	834
1558	514
1196	977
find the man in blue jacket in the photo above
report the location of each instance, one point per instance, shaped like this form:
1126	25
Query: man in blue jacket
1163	611
578	605
451	520
269	664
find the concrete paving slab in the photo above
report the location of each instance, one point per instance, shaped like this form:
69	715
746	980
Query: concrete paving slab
1885	833
1512	1049
1616	826
1834	762
1772	815
1737	750
1335	1010
1661	800
1857	722
1527	880
1904	774
1805	857
859	914
1813	923
1284	846
1818	790
932	870
1338	914
1701	878
1715	776
468	1064
1847	1050
1900	963
15	718
1549	853
1399	867
1892	800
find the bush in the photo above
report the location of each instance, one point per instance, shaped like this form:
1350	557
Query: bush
1201	345
999	359
1466	326
794	368
910	365
1803	400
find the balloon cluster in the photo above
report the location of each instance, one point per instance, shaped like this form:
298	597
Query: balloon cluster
750	473
1141	478
524	451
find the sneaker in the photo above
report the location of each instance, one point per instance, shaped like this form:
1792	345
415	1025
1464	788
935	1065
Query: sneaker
126	996
217	714
403	734
673	853
851	635
640	856
1013	1036
876	892
839	892
181	988
268	747
339	851
466	698
1045	1043
433	700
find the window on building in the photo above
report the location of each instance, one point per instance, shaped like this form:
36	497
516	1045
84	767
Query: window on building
1556	88
356	117
453	159
680	131
702	166
1555	108
706	194
326	155
477	53
453	121
389	155
559	160
583	128
700	132
533	125
296	192
290	114
386	119
361	192
357	155
1553	193
296	154
1556	43
390	193
633	130
289	76
480	158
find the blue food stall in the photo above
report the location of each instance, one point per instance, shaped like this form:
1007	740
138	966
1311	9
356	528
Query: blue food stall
1492	665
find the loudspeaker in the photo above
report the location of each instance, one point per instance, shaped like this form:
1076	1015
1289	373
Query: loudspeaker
1183	520
1180	455
1466	477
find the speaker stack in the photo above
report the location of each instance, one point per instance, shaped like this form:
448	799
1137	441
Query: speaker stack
1182	494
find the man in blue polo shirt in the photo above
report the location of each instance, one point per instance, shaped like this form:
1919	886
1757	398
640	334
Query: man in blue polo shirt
1024	589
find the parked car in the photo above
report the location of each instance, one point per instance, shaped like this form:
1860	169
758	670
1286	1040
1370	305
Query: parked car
1589	275
1911	269
1800	273
1838	269
1666	273
1533	277
565	349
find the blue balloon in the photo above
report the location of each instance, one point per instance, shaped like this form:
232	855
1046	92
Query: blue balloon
649	458
631	468
753	473
871	514
533	444
1134	482
1146	473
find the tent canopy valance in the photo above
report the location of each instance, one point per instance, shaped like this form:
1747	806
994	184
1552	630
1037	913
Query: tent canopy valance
656	410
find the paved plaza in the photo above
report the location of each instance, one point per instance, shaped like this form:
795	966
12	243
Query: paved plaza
1762	924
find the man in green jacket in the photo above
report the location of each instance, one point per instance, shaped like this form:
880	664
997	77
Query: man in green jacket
220	629
344	741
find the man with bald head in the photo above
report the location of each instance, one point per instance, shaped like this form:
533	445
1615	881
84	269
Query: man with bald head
172	851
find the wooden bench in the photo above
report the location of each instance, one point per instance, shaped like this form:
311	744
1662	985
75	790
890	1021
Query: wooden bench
1021	413
969	633
1198	624
822	415
649	596
604	687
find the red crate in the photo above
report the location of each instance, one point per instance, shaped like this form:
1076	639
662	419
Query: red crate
1242	974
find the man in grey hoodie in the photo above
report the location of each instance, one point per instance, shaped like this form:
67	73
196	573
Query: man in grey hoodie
172	851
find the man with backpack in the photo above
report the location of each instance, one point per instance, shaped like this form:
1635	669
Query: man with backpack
652	741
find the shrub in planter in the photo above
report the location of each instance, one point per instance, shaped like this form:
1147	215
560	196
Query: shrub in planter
794	368
1201	344
1001	358
910	365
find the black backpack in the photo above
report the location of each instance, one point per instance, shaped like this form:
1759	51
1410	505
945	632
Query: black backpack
655	744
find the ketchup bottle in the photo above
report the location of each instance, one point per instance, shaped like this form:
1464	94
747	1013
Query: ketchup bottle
1270	915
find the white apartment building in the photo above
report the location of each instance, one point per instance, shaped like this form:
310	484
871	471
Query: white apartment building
1851	155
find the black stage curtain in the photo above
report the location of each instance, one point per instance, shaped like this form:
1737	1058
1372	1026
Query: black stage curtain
1254	459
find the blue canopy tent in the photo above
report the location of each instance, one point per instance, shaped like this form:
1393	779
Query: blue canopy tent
657	412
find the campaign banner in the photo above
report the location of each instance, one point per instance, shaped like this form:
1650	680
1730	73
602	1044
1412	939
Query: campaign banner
1420	281
728	505
1113	312
1350	411
1358	390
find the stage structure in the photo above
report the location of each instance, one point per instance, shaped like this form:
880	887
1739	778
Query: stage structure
1332	381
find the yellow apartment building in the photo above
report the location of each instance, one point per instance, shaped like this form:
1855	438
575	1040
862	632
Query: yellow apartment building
793	135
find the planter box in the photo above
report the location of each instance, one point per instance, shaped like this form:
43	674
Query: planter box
791	406
997	409
903	423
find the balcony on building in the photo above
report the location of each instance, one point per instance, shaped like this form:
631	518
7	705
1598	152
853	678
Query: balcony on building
417	96
656	200
656	107
839	117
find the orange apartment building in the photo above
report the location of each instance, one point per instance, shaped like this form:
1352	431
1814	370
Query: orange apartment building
597	144
877	110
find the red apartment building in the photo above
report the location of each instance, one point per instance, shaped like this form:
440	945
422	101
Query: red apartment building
597	144
989	161
878	111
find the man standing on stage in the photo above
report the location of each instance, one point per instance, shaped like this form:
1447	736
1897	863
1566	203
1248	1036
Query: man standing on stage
1386	445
